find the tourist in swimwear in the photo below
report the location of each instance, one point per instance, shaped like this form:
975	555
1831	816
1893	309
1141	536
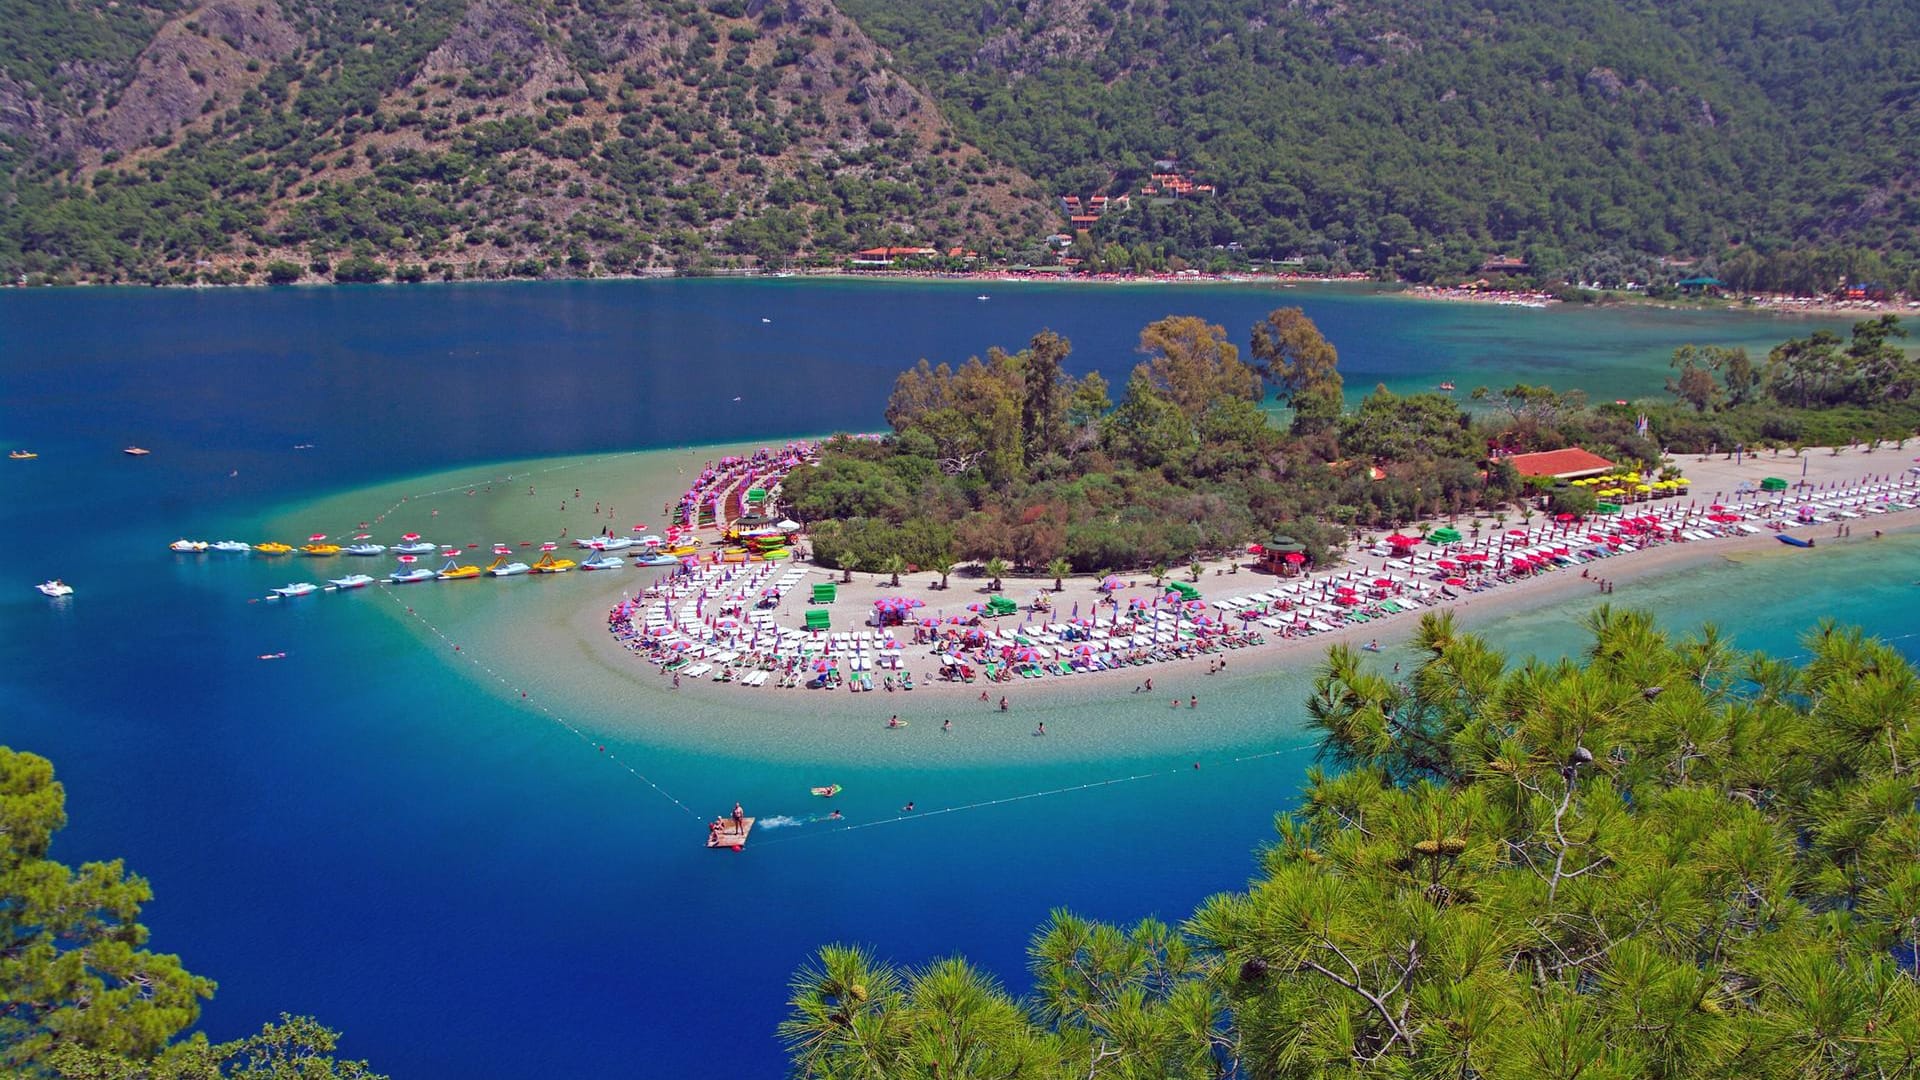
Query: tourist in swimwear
1003	704
946	725
1042	729
907	809
1193	702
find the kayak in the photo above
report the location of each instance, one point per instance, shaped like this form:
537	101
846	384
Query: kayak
827	792
1794	541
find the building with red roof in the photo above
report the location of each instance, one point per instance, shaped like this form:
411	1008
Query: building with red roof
1569	464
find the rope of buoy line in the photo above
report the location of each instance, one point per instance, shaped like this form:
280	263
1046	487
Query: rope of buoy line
920	815
542	709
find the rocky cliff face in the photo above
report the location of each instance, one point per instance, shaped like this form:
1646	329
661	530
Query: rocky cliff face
197	62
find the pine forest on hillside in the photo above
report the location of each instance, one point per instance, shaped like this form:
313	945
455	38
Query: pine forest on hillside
1773	143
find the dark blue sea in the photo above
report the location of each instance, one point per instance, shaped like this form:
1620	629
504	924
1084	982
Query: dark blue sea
367	833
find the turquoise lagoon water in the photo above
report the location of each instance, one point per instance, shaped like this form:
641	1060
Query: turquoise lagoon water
375	832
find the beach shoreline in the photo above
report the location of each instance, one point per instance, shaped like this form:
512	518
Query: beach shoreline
545	644
1716	478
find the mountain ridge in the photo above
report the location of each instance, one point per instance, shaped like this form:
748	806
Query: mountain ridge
491	137
1777	143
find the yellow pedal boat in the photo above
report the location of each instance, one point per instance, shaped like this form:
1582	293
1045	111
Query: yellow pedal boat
550	565
320	550
452	572
272	547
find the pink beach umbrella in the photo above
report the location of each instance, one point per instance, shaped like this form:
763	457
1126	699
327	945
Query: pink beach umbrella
316	538
410	537
408	558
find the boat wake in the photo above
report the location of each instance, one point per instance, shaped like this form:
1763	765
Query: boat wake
781	822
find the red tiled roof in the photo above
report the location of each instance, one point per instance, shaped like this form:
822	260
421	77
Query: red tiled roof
1559	463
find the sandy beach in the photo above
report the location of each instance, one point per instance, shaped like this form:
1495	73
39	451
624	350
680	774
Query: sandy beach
547	639
1715	478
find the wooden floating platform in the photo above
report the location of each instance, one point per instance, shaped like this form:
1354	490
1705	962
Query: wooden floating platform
729	838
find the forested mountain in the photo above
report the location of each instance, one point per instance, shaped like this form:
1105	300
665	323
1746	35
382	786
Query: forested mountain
1425	135
166	139
178	139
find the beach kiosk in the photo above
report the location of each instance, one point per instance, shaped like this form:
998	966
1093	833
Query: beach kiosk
1282	555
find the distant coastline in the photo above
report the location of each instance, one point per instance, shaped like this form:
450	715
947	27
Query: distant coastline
1758	304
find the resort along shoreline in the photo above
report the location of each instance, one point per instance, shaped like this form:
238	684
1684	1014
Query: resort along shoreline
1715	479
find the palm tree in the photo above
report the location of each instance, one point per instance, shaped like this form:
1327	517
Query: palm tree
893	564
1159	573
1059	569
996	568
849	562
1195	569
941	564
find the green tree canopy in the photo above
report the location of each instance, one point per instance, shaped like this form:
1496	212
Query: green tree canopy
1666	858
80	998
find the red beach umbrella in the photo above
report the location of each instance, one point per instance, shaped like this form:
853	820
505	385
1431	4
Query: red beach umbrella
316	538
640	527
408	558
410	537
1456	582
548	546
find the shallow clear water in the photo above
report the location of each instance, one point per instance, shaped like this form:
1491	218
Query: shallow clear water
376	831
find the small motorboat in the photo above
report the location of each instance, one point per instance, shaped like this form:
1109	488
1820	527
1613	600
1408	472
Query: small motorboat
1447	386
415	547
409	576
365	549
1793	541
55	588
351	581
22	455
655	559
603	561
827	792
136	451
273	656
273	547
188	547
453	571
298	588
321	551
232	547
